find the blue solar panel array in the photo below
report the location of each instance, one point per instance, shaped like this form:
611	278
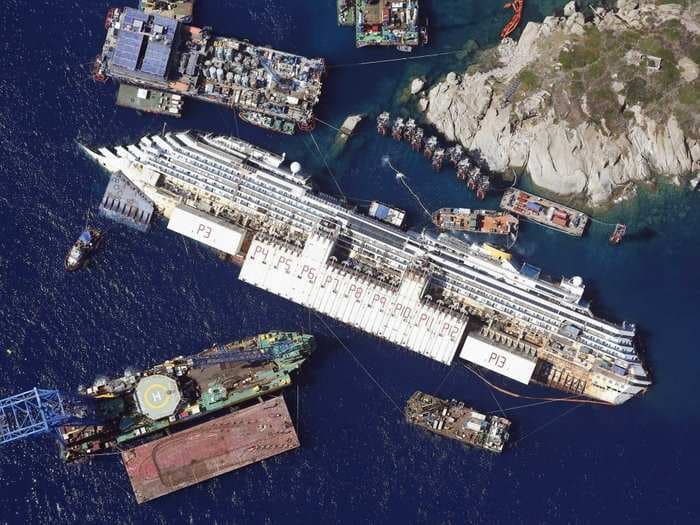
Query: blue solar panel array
126	54
131	15
132	36
156	60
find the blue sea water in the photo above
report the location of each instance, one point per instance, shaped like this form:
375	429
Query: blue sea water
149	297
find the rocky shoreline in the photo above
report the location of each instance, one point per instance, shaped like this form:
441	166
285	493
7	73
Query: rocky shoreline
566	147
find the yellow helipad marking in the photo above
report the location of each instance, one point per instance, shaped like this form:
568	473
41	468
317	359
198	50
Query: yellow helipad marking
161	392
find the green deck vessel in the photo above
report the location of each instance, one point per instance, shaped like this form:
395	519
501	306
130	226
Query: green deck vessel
183	389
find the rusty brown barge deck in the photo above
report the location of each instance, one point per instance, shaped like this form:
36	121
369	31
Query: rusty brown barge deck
209	450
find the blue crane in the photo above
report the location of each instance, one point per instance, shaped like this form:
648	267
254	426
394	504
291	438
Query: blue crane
39	411
253	355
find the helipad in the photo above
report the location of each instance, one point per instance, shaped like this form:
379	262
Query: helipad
157	396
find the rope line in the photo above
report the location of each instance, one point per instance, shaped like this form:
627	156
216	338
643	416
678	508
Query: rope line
437	389
545	425
497	402
323	158
528	405
327	124
402	59
401	178
359	363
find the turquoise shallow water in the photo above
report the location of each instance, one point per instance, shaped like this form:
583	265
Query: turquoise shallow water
147	298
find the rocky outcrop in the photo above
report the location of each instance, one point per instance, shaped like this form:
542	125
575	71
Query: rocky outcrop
584	159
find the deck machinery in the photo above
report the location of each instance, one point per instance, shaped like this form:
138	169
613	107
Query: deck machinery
417	290
270	88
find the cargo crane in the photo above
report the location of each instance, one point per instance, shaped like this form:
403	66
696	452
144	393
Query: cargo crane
223	356
291	84
40	411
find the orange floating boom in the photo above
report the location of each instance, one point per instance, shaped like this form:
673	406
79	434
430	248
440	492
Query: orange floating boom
517	6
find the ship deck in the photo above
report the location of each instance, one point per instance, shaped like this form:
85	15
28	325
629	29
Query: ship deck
209	450
535	208
149	100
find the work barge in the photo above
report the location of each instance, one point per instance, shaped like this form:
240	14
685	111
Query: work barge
417	290
269	88
455	420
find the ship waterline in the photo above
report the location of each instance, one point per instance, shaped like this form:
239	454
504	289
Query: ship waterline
414	289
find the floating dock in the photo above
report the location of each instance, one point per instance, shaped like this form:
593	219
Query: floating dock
209	450
545	212
455	420
149	100
153	52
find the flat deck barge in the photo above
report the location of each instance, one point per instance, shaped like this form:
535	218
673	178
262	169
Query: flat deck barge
209	450
545	212
455	420
158	53
149	100
475	221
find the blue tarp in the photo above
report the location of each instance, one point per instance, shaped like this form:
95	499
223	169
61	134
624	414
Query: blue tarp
85	237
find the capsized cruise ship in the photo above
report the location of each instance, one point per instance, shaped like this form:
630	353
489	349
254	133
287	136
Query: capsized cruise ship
414	289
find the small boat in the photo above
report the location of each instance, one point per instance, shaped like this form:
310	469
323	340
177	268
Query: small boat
475	221
618	234
88	242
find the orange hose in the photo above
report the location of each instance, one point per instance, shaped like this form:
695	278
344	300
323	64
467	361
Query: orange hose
522	396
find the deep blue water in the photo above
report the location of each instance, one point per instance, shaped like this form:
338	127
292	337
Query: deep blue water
148	297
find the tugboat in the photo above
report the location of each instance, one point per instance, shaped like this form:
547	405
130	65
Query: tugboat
618	234
88	242
383	122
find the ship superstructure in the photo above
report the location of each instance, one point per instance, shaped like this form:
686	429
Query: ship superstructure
272	89
415	290
183	389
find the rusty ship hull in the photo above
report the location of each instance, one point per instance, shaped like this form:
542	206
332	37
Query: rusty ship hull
209	450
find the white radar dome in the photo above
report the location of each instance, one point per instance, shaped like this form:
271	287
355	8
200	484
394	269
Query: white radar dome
295	167
576	281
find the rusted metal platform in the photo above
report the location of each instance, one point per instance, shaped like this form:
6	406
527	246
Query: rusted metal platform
210	449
